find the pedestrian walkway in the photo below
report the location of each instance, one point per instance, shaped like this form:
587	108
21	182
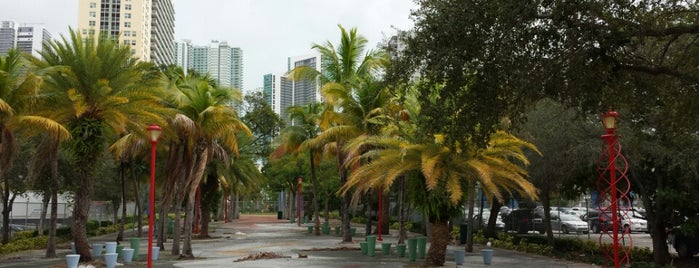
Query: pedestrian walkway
253	235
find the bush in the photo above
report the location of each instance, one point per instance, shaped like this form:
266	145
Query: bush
23	235
24	244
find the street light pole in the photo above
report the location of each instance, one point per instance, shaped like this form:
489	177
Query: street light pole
154	133
619	186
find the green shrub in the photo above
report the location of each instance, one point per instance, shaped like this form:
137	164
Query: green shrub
23	235
24	244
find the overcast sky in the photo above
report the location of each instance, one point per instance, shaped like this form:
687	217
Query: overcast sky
268	31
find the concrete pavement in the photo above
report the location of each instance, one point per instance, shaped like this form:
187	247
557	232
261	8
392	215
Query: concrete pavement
253	234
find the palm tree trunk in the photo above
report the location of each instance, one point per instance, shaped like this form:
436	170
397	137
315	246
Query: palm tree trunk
402	233
122	223
368	212
53	188
314	180
81	212
438	245
6	209
137	199
469	232
177	233
197	175
491	231
345	202
546	202
385	215
44	208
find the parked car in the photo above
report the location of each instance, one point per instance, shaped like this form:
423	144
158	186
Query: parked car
499	224
567	223
634	224
523	221
601	222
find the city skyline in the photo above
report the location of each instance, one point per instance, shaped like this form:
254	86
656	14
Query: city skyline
268	32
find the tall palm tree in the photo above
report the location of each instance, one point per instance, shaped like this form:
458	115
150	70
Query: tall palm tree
19	94
434	169
102	92
295	139
209	125
351	97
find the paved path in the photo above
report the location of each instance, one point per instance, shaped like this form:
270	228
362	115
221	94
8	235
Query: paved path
255	234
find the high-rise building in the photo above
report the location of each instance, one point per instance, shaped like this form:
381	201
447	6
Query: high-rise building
182	54
223	62
281	92
27	37
145	25
31	38
8	36
163	32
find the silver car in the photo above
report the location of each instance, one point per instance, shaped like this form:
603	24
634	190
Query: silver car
567	223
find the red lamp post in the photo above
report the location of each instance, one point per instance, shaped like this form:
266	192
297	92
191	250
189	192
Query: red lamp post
298	198
154	133
614	182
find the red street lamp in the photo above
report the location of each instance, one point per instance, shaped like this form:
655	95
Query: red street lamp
614	182
298	197
154	133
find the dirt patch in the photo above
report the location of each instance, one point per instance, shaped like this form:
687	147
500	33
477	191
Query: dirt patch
262	256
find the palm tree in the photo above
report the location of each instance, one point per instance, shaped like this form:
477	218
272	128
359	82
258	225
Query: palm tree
351	97
19	94
295	138
102	92
208	125
433	169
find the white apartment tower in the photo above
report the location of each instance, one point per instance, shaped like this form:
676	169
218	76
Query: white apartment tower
145	25
31	38
223	62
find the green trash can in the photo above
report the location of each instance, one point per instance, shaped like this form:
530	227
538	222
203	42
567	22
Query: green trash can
421	245
326	230
353	231
337	230
412	248
363	247
170	226
280	215
386	248
400	250
135	244
371	245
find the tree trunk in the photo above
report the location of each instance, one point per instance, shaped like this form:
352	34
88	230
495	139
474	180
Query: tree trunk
438	244
546	202
6	209
314	181
491	229
402	233
345	201
177	233
46	198
51	243
122	223
81	212
195	181
205	219
137	200
469	219
385	213
368	212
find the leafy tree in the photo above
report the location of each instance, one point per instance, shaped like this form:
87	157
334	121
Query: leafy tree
101	93
263	122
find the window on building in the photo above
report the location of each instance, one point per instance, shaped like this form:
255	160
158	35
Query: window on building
93	5
133	33
133	42
127	15
93	14
127	24
127	7
92	23
126	42
84	31
91	31
127	33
